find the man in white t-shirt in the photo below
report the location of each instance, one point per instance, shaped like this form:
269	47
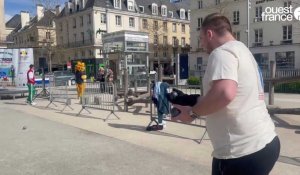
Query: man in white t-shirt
239	126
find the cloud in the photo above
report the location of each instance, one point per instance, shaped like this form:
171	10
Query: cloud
7	17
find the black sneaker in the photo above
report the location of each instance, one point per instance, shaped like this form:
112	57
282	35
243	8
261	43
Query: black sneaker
155	128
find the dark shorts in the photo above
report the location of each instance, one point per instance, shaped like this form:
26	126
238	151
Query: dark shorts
258	163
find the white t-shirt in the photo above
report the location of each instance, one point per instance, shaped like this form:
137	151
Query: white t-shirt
243	126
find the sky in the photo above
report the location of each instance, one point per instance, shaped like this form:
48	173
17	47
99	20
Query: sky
13	7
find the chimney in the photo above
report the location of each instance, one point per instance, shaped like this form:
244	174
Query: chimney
57	10
83	4
24	18
39	11
68	8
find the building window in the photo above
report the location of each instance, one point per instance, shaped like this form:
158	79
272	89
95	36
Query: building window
155	26
130	5
287	3
91	53
81	21
182	42
83	53
174	42
61	26
237	35
165	40
103	18
183	28
174	27
82	37
182	14
141	8
171	14
164	54
287	32
48	35
154	9
155	39
262	60
200	20
75	37
117	4
258	37
165	26
145	24
200	4
131	22
74	22
155	54
164	10
258	12
189	15
89	19
285	60
217	2
61	40
236	17
199	63
118	20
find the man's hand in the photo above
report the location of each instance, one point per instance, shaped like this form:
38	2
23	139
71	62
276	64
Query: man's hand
184	116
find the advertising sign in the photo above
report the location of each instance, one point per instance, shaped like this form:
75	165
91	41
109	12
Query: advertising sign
20	59
6	60
25	57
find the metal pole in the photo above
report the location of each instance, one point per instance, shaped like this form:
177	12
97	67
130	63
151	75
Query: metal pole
248	22
106	11
177	69
271	83
126	85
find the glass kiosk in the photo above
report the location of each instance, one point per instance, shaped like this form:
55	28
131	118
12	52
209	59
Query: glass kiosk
126	53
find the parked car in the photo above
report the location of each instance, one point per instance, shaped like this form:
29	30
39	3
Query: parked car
62	77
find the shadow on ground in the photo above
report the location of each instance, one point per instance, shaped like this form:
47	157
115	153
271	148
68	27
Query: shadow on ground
143	129
283	124
290	160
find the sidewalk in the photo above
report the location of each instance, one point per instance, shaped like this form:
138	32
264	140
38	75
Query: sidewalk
177	140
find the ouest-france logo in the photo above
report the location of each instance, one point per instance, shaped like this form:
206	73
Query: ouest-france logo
281	14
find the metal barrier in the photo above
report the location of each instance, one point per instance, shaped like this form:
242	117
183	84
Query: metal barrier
99	95
59	94
187	89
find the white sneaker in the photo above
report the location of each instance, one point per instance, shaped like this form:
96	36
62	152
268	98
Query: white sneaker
33	103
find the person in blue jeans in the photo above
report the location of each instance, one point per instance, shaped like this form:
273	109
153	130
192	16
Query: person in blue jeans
30	85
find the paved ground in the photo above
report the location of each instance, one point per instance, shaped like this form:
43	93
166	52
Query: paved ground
31	145
62	143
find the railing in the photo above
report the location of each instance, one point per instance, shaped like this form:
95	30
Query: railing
284	73
80	43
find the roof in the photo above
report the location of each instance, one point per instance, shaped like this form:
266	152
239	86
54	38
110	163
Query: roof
44	21
14	21
175	7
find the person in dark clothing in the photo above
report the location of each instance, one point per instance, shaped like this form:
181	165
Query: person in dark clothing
159	98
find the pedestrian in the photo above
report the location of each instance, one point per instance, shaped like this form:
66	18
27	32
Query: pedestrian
12	75
30	85
101	75
110	76
101	79
238	124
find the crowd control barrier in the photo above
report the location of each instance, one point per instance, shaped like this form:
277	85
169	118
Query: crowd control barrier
187	89
59	94
101	96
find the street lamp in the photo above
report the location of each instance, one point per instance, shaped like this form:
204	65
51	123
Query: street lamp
248	22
